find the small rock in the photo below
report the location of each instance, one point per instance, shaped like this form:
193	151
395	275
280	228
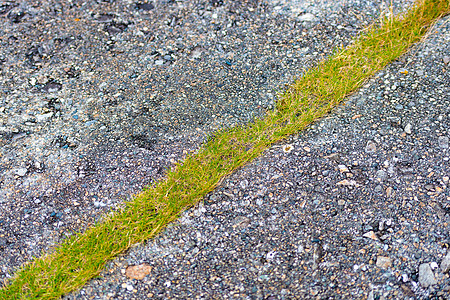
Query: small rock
307	17
244	183
334	156
51	87
168	57
426	275
343	168
384	262
371	235
241	222
129	287
381	175
445	264
347	182
196	53
317	254
443	142
430	187
159	62
138	272
408	128
144	6
287	148
44	117
446	59
21	172
405	277
388	192
271	255
378	189
37	165
371	147
433	265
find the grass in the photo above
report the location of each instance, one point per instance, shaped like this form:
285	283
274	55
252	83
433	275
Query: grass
82	256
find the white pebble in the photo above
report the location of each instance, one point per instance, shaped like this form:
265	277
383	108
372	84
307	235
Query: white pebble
408	128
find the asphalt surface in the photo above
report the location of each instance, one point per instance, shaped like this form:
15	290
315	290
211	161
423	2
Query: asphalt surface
99	98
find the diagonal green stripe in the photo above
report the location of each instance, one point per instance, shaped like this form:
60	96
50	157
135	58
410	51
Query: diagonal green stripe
81	257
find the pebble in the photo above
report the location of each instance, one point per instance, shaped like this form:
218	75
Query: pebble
443	142
371	235
384	262
445	264
408	128
371	147
241	222
145	6
343	168
129	287
287	148
44	117
244	183
381	175
138	272
21	172
426	275
307	17
347	182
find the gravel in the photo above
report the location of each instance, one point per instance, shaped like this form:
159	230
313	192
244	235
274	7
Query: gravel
356	206
99	98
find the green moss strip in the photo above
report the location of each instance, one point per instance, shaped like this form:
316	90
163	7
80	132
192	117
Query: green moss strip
82	256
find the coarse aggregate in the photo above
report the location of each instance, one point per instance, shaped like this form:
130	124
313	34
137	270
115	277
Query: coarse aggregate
355	207
99	98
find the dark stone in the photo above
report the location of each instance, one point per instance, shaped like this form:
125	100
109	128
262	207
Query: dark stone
104	17
16	17
143	141
114	28
51	87
144	6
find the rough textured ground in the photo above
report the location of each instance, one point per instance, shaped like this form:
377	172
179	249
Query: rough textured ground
357	209
98	98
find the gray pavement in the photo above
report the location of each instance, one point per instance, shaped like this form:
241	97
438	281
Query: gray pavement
358	209
98	98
